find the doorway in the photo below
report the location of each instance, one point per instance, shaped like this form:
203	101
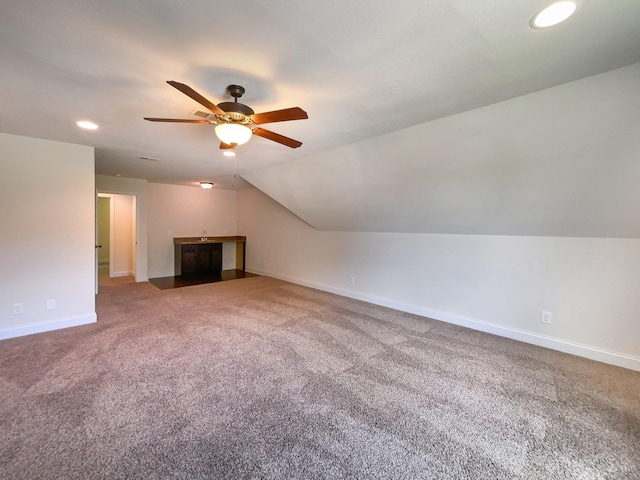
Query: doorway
104	234
116	233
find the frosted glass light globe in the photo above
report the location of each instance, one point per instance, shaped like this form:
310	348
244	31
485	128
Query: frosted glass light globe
231	133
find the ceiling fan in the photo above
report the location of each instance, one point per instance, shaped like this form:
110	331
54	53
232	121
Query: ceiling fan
236	122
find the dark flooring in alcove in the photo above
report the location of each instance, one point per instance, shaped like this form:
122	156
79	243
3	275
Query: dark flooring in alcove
165	283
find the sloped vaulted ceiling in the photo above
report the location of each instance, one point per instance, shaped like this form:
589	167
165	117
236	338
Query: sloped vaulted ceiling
561	162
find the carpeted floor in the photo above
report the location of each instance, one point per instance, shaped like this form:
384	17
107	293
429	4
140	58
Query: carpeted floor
259	378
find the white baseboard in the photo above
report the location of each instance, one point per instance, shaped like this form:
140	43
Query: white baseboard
122	274
586	351
23	330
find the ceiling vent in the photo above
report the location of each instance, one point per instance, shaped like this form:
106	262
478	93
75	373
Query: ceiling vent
205	115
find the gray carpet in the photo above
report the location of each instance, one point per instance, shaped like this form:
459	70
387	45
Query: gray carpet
259	378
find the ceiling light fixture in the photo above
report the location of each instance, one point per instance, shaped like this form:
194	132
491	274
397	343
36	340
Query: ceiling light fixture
233	133
206	185
554	14
87	125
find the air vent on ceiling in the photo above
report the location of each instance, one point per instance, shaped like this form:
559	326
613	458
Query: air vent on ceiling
206	115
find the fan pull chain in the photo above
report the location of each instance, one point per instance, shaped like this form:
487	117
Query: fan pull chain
233	184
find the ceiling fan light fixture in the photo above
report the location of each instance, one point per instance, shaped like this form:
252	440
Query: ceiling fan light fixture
233	133
554	14
206	185
236	122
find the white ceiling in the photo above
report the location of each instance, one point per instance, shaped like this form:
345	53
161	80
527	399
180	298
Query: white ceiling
361	69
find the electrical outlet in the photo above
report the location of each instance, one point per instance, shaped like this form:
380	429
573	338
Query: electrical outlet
51	304
352	279
546	317
170	233
18	308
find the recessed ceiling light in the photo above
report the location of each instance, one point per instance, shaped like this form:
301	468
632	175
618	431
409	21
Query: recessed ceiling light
555	13
87	125
206	185
229	153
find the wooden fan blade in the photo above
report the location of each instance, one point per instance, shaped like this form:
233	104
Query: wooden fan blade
190	92
226	146
295	113
179	120
276	137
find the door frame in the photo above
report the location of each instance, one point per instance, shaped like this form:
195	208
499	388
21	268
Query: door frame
136	231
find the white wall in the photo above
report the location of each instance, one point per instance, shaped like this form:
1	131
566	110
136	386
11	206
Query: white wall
498	284
48	234
182	211
138	188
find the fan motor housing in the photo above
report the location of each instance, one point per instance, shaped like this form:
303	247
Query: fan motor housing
235	107
232	109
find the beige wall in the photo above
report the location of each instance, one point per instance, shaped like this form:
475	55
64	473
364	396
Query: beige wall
47	212
182	211
498	284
